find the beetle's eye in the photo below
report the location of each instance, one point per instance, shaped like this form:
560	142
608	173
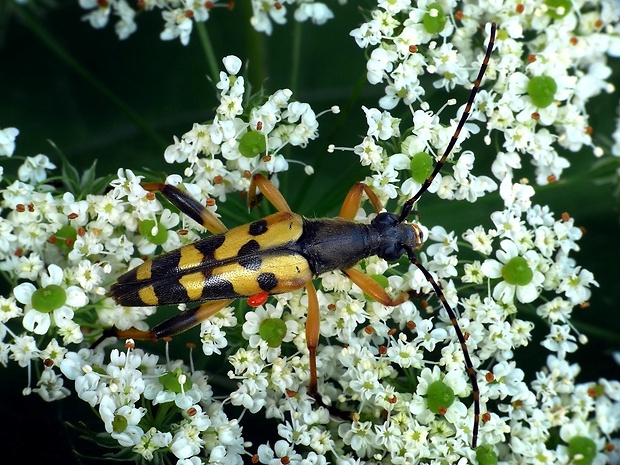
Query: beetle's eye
392	253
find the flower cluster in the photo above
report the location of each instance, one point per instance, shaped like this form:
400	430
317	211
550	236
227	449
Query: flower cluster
66	250
180	15
182	415
550	60
243	138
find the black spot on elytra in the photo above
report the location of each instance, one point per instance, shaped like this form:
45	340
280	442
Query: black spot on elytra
249	248
164	263
267	281
170	291
248	257
251	262
209	245
257	228
218	287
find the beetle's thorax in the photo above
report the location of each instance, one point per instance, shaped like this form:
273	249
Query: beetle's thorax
335	243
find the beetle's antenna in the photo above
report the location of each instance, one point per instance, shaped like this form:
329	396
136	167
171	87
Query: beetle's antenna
407	207
469	366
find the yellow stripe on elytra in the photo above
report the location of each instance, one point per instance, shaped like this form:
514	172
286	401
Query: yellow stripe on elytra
242	279
190	257
281	228
143	271
148	296
193	284
291	272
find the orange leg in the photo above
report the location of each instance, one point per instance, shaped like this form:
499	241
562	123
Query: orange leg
313	321
312	336
312	341
349	209
353	200
171	327
374	289
270	191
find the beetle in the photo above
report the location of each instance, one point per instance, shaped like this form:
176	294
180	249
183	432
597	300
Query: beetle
281	253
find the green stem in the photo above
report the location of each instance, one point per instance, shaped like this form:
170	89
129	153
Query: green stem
595	332
50	42
255	49
296	56
207	47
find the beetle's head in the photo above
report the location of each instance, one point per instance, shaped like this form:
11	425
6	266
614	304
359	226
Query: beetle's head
398	237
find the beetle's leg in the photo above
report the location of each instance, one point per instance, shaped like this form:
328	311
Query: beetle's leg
172	326
276	198
374	289
188	205
349	209
353	200
312	341
313	323
313	320
270	191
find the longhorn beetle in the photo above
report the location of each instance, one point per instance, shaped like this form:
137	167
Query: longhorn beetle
280	253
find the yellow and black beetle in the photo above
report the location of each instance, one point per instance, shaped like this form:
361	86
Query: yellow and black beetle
281	253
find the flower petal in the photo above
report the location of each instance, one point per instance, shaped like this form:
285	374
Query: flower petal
23	293
37	322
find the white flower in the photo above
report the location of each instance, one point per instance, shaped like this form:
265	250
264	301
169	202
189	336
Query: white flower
525	291
33	169
264	12
317	12
560	340
23	350
252	327
212	337
480	240
455	380
99	14
380	63
9	309
281	450
151	441
405	354
187	441
177	25
232	64
7	141
50	386
381	125
576	287
54	299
